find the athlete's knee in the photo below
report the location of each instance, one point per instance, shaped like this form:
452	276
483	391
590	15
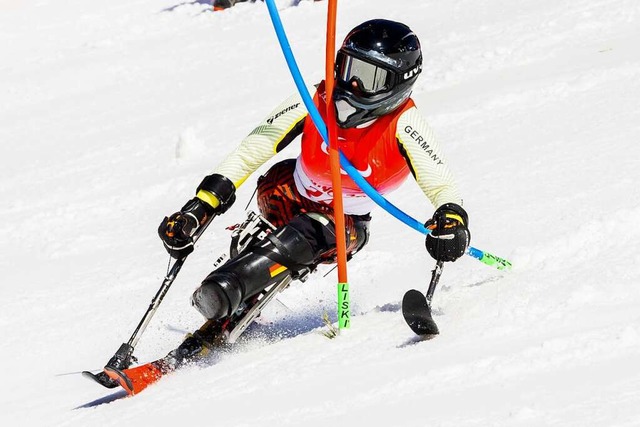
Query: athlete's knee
319	230
219	295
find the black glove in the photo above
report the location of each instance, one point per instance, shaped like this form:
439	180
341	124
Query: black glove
177	231
449	237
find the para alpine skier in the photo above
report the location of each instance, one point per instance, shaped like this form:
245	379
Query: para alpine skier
380	132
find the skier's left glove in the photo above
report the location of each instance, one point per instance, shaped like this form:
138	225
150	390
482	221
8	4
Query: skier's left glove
449	237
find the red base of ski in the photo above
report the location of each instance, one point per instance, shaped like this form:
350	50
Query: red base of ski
134	380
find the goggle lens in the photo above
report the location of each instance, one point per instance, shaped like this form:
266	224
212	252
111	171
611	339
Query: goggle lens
370	78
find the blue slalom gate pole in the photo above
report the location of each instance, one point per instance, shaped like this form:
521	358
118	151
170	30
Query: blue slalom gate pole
353	173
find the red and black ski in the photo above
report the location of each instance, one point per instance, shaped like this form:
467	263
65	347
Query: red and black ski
134	380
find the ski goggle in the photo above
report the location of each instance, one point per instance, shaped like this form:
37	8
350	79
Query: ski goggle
370	78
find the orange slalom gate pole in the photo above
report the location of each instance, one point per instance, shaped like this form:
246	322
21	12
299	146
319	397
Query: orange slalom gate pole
344	315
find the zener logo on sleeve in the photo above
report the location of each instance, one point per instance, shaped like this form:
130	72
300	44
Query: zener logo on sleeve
292	107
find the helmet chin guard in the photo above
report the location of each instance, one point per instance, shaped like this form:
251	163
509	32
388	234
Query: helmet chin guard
350	113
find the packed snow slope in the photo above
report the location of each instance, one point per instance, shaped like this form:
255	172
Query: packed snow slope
112	112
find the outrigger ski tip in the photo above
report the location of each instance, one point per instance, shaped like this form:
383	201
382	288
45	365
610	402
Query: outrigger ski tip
417	313
101	378
416	307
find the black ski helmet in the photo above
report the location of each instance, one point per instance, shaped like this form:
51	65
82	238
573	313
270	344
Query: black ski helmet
376	67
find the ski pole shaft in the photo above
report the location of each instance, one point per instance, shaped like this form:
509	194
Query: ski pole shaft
164	288
122	358
435	278
155	302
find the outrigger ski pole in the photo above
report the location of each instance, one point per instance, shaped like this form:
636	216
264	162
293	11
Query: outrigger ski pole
416	307
123	358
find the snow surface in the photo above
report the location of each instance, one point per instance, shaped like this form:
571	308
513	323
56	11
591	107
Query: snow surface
112	112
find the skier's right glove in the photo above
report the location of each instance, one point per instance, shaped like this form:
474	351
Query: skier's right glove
449	237
177	230
215	195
